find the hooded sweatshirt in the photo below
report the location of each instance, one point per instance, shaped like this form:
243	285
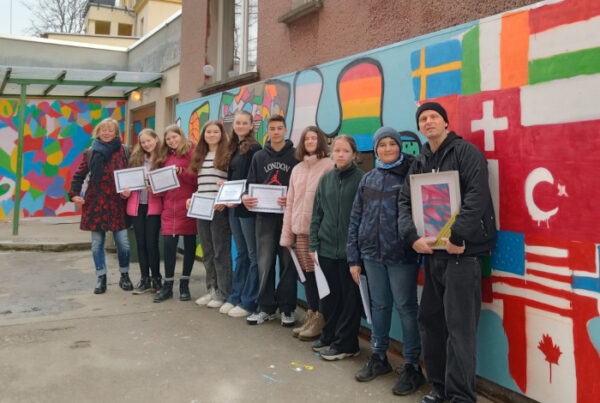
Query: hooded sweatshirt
270	167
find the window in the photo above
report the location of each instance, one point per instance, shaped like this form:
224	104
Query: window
125	30
102	28
238	38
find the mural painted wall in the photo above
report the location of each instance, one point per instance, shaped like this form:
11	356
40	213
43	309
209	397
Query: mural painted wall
521	86
56	134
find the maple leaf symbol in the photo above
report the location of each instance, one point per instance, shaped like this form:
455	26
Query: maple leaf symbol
550	350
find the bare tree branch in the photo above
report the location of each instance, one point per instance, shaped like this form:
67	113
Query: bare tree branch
56	16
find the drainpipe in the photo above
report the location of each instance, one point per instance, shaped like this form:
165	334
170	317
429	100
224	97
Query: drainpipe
19	173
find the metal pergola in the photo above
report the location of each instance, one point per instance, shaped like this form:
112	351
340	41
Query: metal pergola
43	82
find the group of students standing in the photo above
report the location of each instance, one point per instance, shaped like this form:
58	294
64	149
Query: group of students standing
336	217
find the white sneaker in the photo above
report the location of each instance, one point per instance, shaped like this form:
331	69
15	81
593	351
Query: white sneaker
215	303
203	300
288	319
238	312
260	317
226	307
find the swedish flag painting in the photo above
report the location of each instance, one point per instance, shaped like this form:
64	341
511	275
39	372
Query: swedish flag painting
436	70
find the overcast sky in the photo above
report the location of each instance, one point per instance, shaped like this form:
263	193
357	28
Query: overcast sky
20	17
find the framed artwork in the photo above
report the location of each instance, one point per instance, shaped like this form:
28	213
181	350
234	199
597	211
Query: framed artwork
435	201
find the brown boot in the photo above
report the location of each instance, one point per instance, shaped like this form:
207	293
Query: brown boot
309	315
314	329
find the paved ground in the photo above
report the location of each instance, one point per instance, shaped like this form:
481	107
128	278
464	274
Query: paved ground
61	343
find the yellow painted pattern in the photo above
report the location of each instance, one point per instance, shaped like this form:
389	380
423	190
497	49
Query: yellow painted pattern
424	71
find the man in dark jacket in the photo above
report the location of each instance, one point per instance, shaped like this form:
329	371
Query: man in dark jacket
451	300
273	166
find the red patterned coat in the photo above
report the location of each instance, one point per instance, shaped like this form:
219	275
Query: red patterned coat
104	209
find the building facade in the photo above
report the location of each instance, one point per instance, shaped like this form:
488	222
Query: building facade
519	81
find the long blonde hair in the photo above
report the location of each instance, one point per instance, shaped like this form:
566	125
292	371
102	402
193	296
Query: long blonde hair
137	155
163	154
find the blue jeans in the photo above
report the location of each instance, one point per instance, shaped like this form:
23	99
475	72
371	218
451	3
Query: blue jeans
394	285
244	287
122	243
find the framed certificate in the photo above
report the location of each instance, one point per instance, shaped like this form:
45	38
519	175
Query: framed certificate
163	179
201	207
132	178
267	197
435	201
231	192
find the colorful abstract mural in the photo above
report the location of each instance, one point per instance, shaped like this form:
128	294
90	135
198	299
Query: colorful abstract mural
56	134
522	87
262	100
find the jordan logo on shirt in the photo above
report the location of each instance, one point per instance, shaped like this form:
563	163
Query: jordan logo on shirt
274	180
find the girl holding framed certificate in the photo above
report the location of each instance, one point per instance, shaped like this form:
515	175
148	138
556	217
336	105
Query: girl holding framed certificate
177	151
244	285
209	162
328	235
145	207
312	152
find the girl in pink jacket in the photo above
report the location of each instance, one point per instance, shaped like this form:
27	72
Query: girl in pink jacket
312	151
177	150
145	207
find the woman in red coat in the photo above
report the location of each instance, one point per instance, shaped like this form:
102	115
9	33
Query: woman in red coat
102	208
177	151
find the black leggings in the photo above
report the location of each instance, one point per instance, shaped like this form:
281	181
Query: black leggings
189	253
147	230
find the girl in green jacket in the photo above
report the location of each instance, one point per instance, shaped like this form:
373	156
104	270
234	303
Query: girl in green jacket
328	235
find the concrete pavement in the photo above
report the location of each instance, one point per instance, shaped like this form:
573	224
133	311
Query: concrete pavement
61	343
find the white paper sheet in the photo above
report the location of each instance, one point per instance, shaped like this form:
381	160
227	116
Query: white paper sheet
231	192
163	179
201	207
301	275
132	178
267	197
322	285
363	286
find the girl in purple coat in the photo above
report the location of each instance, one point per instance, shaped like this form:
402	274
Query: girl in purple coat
177	151
145	207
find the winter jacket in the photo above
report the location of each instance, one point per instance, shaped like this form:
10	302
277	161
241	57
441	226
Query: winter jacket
373	233
301	193
104	208
155	206
174	219
239	165
475	224
270	167
331	212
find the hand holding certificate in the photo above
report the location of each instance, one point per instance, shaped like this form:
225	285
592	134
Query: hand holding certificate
163	179
132	178
201	207
267	196
230	192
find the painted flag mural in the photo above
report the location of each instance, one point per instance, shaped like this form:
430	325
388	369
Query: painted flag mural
522	87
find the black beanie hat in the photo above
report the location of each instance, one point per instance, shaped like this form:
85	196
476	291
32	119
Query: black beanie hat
434	106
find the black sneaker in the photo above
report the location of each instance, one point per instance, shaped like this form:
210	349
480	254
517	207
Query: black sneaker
372	369
143	286
318	346
332	354
410	380
435	396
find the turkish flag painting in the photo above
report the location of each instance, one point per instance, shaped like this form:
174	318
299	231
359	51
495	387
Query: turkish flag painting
549	182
